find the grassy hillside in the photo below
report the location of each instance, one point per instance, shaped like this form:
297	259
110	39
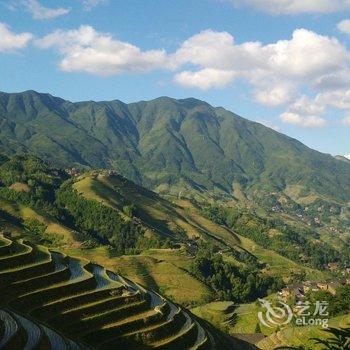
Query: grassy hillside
158	214
162	270
26	213
179	216
154	220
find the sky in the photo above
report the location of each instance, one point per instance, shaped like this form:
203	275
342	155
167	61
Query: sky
282	63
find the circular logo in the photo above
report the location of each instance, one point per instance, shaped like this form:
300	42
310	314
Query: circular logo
273	316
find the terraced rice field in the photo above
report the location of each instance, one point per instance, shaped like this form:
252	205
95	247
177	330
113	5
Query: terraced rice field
53	301
296	336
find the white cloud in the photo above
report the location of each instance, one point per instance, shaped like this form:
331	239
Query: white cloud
307	112
339	99
292	7
346	121
317	65
275	70
97	53
306	55
218	50
205	79
10	41
278	67
347	156
90	4
41	12
344	26
275	96
306	106
308	121
333	80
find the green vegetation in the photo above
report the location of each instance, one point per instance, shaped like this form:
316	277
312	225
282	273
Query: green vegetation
101	222
302	336
229	282
160	143
338	339
189	253
85	302
293	242
338	304
218	313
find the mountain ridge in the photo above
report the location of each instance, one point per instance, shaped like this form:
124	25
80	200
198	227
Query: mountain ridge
160	143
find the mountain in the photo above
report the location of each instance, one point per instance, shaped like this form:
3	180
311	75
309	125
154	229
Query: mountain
170	145
343	158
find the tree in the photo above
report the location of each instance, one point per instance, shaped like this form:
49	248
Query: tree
257	328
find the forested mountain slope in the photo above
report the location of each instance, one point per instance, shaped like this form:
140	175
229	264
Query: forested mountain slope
169	144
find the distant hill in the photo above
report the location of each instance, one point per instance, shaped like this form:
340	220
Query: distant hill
170	145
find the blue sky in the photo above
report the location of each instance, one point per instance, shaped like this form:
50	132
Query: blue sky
284	63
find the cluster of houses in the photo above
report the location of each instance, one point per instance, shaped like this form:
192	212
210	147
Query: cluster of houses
74	172
300	290
307	217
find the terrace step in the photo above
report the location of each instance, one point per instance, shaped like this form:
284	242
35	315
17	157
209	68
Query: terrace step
59	274
36	338
25	255
43	264
6	246
100	320
21	333
14	336
137	339
45	293
101	276
187	335
79	279
123	326
50	309
202	341
58	342
88	310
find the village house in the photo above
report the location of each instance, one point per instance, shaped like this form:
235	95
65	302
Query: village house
309	286
295	289
112	172
322	285
332	266
73	172
331	286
